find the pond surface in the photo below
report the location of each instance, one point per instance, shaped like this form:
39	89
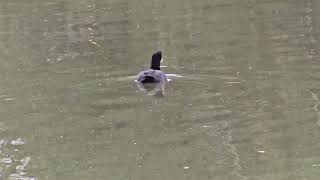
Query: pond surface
247	106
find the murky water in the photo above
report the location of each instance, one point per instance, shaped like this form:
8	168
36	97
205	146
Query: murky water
247	106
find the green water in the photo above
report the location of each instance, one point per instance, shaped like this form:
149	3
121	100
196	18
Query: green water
246	108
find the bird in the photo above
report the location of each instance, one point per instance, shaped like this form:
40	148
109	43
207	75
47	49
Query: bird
154	74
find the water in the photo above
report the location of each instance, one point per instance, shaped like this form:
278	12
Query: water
246	106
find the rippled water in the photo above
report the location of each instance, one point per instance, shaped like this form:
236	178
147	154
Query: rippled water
246	106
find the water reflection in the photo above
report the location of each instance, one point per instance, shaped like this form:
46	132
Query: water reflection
156	89
13	164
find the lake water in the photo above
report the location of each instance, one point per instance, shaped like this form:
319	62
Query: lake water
247	106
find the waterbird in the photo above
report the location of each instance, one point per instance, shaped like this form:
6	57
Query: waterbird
154	74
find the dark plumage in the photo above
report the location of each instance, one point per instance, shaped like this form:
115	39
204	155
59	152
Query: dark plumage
154	74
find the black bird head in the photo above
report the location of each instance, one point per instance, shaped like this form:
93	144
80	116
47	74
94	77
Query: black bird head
155	61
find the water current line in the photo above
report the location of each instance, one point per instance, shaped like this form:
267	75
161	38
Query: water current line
316	106
233	150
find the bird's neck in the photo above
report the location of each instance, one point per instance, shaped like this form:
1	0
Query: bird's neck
155	68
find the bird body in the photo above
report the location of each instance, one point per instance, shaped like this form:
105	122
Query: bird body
154	74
